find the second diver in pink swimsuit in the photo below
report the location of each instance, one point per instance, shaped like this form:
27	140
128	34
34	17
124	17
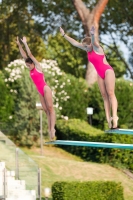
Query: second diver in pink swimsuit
97	61
106	75
43	89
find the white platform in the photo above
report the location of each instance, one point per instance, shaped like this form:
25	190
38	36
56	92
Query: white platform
15	189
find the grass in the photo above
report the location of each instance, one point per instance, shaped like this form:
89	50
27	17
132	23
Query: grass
58	165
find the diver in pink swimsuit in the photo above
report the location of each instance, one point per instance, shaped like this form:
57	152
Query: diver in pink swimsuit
43	89
106	75
38	79
97	61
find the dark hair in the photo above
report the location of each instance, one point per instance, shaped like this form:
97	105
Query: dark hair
86	40
28	60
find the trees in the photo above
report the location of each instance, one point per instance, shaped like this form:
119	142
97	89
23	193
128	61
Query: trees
71	60
37	19
16	19
88	12
117	24
6	101
90	17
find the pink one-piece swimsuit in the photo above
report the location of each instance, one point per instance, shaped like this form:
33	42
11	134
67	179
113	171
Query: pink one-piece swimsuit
97	60
38	79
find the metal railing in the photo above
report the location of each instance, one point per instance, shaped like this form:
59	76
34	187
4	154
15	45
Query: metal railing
23	166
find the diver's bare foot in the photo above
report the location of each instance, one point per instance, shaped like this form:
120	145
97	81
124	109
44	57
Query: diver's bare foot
110	122
115	120
49	133
52	135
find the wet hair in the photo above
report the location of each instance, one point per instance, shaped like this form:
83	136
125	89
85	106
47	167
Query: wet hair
28	60
86	40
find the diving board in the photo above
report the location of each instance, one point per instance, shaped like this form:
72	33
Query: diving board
91	144
120	131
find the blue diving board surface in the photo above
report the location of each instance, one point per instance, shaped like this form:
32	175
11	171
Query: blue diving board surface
120	131
91	144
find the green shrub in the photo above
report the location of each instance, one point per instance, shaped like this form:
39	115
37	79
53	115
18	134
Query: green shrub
6	102
79	130
96	190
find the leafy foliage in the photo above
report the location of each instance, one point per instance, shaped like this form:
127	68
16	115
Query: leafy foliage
94	190
6	101
70	59
115	61
17	20
37	19
117	24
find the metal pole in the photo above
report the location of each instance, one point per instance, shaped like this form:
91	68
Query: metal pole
39	183
16	164
4	182
41	137
90	119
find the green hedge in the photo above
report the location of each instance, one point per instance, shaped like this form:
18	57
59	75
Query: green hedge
96	190
79	130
